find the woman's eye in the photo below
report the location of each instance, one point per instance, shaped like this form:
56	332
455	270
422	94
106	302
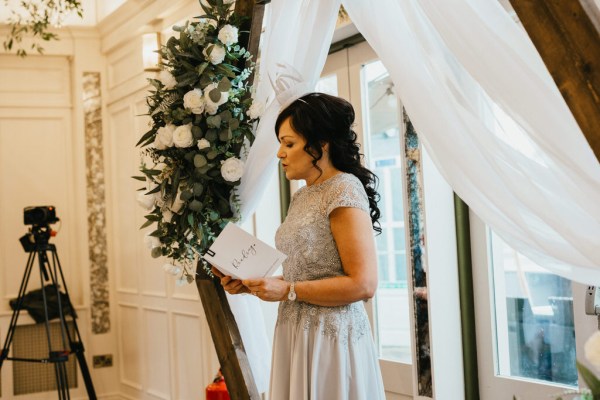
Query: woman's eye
288	145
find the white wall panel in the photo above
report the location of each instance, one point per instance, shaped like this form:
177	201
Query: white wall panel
130	357
125	63
34	82
123	165
156	348
191	374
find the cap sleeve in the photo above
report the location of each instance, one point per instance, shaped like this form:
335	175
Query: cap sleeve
347	192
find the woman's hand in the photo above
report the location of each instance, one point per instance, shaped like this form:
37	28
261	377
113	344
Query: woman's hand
231	286
268	289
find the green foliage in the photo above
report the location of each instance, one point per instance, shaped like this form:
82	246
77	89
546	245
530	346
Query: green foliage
35	18
192	200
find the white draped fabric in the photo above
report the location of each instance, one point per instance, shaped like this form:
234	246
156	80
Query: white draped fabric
484	105
296	34
497	128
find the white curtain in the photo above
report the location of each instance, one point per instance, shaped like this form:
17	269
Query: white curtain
497	128
297	33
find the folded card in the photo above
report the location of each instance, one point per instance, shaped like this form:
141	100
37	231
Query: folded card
239	254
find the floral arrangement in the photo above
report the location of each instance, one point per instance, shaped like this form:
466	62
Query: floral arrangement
202	126
36	17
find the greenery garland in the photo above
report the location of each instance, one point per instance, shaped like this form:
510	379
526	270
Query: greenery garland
203	120
35	17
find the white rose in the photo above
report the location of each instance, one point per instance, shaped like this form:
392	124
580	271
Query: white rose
167	79
172	269
182	136
193	100
256	109
228	35
592	349
151	241
203	144
158	145
232	169
217	54
211	109
164	136
146	201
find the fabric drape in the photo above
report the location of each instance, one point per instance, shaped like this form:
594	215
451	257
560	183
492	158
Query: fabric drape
494	123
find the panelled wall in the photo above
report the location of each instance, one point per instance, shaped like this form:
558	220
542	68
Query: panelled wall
42	162
165	350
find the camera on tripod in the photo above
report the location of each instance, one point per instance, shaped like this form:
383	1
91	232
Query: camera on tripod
39	217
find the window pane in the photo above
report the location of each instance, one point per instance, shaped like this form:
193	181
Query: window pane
327	84
534	319
382	141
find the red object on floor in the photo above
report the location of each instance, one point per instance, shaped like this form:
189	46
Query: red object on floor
217	390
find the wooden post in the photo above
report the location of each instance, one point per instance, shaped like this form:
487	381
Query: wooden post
569	44
223	328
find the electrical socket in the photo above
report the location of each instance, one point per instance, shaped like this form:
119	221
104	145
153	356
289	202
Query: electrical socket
103	360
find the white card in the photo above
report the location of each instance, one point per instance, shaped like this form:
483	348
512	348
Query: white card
239	254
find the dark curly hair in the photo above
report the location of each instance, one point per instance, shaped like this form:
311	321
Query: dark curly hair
321	118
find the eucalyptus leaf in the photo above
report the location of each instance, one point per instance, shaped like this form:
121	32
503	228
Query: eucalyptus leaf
199	160
195	205
186	195
225	135
212	154
198	189
156	252
215	95
234	123
197	132
211	135
202	67
224	85
226	116
214	121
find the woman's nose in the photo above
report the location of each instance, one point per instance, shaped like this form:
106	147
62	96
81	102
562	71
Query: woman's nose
280	153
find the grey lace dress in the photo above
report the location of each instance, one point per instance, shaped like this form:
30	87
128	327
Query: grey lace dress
321	353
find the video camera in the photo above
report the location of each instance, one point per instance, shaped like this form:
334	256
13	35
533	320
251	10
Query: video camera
39	217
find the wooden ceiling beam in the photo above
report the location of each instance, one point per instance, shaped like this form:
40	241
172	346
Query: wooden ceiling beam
569	44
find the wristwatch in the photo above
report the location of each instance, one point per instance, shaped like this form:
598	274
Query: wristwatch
292	292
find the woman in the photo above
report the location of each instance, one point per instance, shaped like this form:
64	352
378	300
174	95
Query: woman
323	348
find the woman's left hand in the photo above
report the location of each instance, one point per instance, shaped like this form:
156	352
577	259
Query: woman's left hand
268	289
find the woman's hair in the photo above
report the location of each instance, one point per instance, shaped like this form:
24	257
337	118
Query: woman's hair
321	118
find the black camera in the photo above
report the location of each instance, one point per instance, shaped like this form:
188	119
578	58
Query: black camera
39	215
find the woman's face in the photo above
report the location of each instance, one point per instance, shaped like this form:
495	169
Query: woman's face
296	162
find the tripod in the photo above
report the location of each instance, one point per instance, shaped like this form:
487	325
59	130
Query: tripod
71	343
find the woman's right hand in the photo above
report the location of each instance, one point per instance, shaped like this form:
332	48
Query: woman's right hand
231	286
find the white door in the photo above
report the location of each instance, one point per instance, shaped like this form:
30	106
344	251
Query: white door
356	75
531	324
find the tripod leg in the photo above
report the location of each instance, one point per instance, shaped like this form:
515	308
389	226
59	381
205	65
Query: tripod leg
75	343
62	382
17	310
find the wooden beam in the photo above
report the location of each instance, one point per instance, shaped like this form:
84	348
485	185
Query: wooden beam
226	338
223	327
569	44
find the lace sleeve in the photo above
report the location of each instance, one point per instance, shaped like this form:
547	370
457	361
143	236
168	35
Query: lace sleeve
347	192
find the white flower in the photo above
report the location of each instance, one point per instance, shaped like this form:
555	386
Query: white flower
146	200
164	137
228	1
167	79
217	54
211	106
151	241
193	100
256	109
172	269
592	349
232	169
167	215
177	203
228	35
203	144
182	136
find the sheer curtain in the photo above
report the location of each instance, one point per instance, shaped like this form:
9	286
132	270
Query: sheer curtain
297	33
494	123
